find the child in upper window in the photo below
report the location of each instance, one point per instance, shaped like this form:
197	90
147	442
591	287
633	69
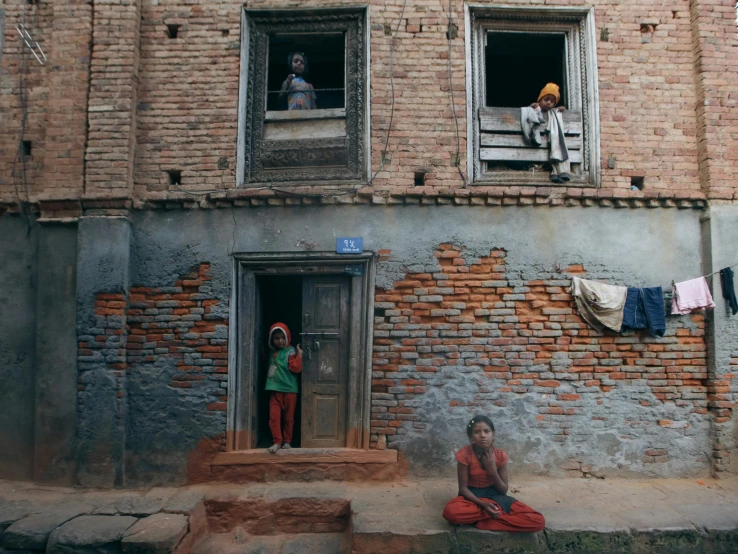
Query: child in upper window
549	115
482	472
300	95
285	362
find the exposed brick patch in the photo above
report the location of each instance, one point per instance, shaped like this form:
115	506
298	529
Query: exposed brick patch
165	322
722	397
105	346
723	393
108	343
656	456
528	338
177	322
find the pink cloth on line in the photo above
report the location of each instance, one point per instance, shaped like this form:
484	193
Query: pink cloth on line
691	295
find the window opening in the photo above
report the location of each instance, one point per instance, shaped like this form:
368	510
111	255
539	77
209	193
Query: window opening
326	68
518	65
27	148
281	300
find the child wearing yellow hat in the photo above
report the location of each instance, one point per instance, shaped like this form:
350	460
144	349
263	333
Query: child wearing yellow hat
559	156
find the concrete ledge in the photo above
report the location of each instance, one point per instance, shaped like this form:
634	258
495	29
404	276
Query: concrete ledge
306	456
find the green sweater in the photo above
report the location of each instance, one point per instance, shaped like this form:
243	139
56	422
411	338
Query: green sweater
280	378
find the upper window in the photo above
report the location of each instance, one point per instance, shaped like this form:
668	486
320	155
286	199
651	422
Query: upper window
303	108
514	53
318	59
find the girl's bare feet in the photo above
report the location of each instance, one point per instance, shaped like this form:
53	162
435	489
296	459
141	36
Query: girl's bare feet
286	446
273	448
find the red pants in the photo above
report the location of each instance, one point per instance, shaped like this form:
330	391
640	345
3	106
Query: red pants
282	415
521	519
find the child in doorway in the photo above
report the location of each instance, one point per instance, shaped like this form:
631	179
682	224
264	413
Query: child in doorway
554	125
300	95
285	362
482	472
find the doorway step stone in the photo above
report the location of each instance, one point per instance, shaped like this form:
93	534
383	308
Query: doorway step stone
307	465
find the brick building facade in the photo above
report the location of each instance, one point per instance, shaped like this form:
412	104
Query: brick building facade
132	207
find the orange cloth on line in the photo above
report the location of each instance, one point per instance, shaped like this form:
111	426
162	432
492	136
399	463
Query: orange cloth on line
552	89
478	476
521	519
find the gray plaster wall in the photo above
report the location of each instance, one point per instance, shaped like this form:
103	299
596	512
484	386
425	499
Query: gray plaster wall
722	240
103	262
17	344
632	247
56	355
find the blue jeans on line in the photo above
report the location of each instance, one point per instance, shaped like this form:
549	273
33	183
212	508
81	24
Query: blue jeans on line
645	308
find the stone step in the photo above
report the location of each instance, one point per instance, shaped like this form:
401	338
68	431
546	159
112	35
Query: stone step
307	465
261	510
240	542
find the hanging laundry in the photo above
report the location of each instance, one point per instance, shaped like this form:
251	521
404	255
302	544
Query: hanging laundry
691	295
726	278
645	308
599	304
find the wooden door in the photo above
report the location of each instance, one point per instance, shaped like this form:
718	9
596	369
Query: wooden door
325	342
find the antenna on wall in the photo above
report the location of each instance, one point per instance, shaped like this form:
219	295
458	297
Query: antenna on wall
33	45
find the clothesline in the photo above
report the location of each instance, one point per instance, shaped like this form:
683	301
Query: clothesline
719	270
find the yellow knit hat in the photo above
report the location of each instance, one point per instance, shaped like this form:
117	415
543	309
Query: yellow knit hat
552	89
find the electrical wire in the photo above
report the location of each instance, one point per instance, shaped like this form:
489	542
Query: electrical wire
457	159
392	87
23	70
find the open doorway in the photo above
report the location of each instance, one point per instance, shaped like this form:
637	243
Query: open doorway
280	299
325	300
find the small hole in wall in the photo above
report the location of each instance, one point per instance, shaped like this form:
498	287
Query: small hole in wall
380	312
674	14
172	30
637	183
225	32
452	32
175	176
420	178
27	147
33	2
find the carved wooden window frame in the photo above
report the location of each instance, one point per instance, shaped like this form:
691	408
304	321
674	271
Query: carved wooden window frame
351	153
578	27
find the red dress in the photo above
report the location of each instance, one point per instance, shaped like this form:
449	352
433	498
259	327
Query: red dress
514	515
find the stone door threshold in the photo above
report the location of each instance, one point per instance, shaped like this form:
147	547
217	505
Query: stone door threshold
306	456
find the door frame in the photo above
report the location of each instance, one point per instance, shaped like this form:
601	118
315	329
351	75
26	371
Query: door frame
242	362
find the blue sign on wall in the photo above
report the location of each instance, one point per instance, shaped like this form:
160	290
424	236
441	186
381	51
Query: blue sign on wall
350	245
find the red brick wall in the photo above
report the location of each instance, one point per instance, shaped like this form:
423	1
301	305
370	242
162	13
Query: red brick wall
176	99
176	322
56	99
529	339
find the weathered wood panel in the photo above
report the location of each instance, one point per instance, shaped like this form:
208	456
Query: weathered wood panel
507	120
523	155
517	141
302	129
325	301
302	115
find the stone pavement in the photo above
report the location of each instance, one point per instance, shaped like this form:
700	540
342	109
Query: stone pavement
582	515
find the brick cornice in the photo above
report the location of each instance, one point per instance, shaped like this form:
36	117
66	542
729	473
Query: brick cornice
256	198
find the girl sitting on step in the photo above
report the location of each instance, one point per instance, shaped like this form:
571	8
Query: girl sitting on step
482	473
